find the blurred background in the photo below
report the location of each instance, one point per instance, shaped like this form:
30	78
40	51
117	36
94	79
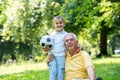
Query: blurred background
22	23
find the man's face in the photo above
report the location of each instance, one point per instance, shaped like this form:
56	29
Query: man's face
70	42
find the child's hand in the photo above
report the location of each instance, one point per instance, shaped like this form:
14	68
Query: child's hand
46	48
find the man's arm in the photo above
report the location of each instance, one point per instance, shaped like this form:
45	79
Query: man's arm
49	58
91	73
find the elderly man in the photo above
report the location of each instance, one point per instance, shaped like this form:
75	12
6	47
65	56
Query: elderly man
78	64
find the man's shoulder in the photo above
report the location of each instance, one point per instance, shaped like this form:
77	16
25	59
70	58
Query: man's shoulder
85	53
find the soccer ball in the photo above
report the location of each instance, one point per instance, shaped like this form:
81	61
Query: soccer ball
46	40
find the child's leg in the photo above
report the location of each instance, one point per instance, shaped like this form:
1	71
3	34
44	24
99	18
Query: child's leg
61	67
52	70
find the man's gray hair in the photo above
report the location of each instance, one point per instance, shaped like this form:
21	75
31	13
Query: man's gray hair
75	37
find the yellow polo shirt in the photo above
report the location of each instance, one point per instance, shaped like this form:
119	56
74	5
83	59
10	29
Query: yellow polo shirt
76	66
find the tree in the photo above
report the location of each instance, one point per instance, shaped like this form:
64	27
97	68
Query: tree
107	22
23	25
92	17
2	21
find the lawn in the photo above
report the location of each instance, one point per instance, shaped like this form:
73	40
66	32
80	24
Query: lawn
107	68
24	71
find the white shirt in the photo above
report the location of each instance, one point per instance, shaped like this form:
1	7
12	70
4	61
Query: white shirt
58	48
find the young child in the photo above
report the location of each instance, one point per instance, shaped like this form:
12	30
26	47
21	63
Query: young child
58	49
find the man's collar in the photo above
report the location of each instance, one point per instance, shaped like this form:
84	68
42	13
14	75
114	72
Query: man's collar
76	52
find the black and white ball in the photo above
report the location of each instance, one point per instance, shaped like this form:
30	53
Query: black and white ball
46	40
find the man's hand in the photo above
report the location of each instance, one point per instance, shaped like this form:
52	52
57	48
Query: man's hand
50	58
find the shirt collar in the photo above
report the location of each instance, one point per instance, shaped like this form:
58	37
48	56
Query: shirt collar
78	53
63	31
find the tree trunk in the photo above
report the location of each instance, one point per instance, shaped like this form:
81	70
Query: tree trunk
103	41
13	57
1	56
103	45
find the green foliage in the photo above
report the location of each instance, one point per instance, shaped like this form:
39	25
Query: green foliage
2	14
52	8
23	26
25	21
91	19
78	15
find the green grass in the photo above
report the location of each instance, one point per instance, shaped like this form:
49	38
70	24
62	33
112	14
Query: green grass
107	68
27	75
24	71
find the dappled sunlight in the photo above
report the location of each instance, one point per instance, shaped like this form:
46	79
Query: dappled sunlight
110	60
17	68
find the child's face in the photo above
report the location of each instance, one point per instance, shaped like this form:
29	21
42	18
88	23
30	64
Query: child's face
59	25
